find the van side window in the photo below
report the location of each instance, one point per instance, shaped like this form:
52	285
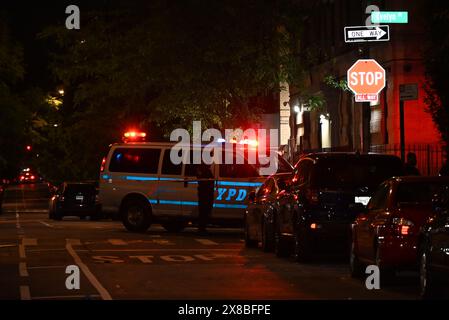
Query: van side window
168	167
135	160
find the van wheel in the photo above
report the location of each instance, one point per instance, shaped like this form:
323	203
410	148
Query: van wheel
136	215
174	226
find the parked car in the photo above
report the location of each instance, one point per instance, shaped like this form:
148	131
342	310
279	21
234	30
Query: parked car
259	215
325	194
434	251
75	199
2	191
387	233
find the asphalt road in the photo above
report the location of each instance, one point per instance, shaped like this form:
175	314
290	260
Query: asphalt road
116	264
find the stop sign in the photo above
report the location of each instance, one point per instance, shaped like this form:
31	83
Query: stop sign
366	78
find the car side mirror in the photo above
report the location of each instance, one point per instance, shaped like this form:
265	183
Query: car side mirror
252	196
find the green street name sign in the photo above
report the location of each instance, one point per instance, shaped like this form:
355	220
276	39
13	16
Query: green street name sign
389	17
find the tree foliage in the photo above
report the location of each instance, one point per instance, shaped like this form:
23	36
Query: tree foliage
436	59
163	64
13	112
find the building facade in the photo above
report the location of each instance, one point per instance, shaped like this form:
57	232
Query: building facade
343	124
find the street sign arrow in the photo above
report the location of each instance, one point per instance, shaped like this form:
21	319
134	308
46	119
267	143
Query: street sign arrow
365	33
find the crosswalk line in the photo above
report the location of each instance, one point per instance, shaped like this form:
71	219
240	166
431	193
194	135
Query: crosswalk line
117	242
207	242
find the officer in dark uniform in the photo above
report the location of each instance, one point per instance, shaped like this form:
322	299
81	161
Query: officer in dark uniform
205	196
410	165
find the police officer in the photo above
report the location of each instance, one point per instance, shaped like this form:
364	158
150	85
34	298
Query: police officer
410	165
205	196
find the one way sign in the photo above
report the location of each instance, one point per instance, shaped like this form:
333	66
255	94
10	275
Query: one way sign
364	33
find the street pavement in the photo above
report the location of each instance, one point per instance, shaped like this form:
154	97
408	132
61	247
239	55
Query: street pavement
116	264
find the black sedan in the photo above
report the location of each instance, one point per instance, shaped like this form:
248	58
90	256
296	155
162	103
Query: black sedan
434	255
261	210
75	199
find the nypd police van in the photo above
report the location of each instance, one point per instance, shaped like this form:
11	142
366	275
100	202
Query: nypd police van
140	183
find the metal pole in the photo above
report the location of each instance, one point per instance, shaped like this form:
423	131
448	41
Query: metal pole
401	125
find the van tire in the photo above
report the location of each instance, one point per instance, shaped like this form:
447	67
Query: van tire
136	215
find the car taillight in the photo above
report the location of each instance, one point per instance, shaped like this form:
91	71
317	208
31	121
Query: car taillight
313	196
61	198
103	163
32	177
403	226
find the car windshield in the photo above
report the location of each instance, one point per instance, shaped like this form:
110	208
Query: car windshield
355	172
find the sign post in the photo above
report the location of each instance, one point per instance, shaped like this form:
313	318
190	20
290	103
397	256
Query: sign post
406	92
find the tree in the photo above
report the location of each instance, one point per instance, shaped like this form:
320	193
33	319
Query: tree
437	68
13	113
164	64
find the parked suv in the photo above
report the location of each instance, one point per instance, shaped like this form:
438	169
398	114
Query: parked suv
325	194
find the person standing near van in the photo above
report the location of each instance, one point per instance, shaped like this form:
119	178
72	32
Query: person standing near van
205	196
410	165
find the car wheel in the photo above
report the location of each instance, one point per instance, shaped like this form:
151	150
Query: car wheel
355	266
249	243
301	245
174	226
57	216
428	288
136	215
386	274
280	244
267	237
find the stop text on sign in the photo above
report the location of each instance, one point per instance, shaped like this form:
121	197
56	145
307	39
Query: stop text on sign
369	78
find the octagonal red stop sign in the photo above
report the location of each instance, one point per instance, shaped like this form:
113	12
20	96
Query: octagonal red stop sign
366	78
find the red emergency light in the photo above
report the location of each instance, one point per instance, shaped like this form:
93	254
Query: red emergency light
134	136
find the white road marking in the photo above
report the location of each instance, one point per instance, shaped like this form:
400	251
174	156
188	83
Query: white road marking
25	293
23	271
207	242
47	267
46	224
117	242
7	245
89	275
23	243
86	296
177	258
159	249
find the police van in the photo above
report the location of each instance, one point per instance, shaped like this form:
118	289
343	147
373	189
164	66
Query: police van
140	183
